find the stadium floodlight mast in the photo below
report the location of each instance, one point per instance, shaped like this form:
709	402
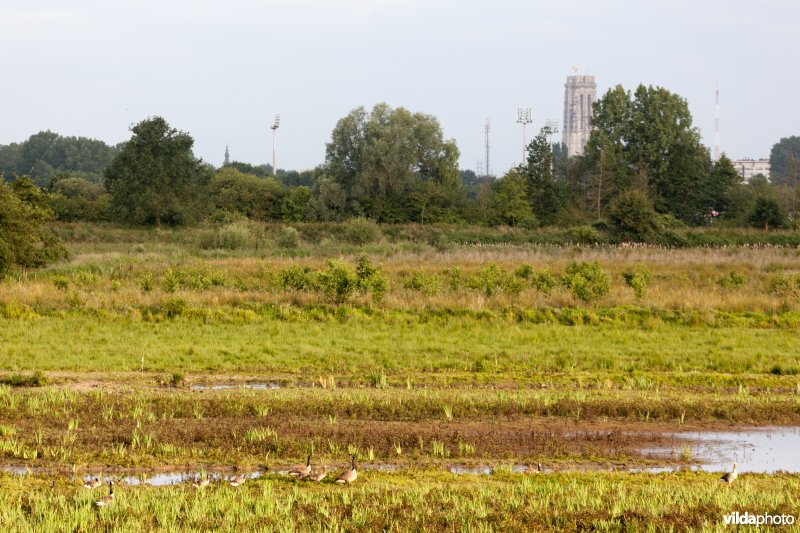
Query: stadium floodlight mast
552	129
524	118
275	125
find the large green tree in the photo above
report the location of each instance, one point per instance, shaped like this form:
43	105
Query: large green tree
155	178
393	165
646	140
545	193
25	240
784	160
508	204
45	155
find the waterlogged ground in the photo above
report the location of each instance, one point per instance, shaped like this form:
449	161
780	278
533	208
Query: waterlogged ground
156	364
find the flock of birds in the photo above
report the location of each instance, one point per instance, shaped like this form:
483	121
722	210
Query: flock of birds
305	472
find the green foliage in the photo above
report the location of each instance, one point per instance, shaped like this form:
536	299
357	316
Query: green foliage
491	280
361	231
253	197
509	202
297	278
785	286
544	281
46	155
587	281
25	241
370	279
234	236
545	194
425	282
76	198
288	237
155	178
295	205
391	165
646	139
784	160
525	271
488	280
637	278
632	216
177	379
585	235
337	281
37	379
731	280
61	283
767	212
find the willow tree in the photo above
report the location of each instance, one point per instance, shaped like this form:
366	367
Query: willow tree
394	166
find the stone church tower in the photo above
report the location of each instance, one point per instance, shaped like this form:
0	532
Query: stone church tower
579	94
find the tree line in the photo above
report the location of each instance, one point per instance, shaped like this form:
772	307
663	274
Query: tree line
644	171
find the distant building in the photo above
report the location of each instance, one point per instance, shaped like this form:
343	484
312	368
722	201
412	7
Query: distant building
579	94
748	168
227	156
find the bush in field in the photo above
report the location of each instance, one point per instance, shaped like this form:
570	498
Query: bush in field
288	237
424	282
731	280
488	280
637	278
632	216
586	280
491	279
26	241
200	279
525	272
370	279
337	281
585	235
230	237
544	281
454	278
296	278
361	231
785	286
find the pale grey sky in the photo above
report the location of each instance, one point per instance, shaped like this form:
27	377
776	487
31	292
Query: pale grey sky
221	70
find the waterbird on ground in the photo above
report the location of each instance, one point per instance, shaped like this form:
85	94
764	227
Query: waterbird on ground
92	483
532	470
238	480
316	475
348	476
730	476
302	470
108	499
202	482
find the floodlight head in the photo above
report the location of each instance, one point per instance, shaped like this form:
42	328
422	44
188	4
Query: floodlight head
277	123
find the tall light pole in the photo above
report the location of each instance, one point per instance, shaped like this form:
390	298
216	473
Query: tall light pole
552	129
274	128
524	118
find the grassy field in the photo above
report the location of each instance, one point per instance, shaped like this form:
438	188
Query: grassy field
465	351
413	500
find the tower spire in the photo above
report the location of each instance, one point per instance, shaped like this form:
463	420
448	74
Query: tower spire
227	156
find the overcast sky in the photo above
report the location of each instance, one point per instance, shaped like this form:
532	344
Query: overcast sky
221	70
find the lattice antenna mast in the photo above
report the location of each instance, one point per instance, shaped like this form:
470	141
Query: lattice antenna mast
524	118
487	130
716	128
